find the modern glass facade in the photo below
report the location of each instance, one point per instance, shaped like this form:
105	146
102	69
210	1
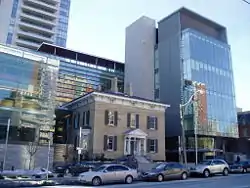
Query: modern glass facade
27	95
208	61
80	73
78	78
63	21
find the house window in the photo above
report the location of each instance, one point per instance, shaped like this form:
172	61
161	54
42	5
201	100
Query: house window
152	122
111	118
133	120
110	143
245	132
152	145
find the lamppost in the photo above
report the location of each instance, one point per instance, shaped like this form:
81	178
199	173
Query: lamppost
183	140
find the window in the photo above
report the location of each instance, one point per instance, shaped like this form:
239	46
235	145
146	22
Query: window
152	122
14	8
133	120
111	118
110	143
245	132
9	38
152	145
120	168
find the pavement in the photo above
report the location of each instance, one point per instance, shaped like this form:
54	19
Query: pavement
231	181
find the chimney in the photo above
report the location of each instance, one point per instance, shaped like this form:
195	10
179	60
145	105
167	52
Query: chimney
114	87
129	89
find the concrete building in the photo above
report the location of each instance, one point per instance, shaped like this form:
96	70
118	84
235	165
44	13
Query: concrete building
191	52
28	23
27	99
139	57
115	125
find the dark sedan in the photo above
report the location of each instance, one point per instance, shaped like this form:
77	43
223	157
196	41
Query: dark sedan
166	171
240	167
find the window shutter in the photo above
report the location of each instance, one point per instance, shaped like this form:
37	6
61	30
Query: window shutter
148	145
137	120
156	123
105	142
87	117
106	118
128	119
156	145
116	118
78	120
115	143
148	122
83	118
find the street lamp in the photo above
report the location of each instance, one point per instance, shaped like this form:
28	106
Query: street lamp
182	110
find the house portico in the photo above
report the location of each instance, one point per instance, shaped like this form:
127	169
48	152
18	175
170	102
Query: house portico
135	142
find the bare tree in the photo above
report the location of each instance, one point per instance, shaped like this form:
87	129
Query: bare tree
31	149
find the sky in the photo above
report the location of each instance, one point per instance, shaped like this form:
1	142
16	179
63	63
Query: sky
98	27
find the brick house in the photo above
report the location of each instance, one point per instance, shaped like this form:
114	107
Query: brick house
116	124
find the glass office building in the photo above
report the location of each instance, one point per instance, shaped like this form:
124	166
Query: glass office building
63	21
27	95
208	61
80	73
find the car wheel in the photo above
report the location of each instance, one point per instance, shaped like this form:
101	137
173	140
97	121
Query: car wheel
96	181
206	173
225	172
160	178
129	179
184	176
244	170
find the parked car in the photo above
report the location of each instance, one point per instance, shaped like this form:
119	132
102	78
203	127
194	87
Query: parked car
108	173
211	167
62	169
165	170
240	167
77	169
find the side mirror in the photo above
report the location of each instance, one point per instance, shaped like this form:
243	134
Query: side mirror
105	171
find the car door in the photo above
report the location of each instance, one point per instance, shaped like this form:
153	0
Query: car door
109	174
214	167
120	172
168	171
218	166
177	170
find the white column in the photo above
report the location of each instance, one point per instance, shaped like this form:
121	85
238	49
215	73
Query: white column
129	143
145	146
125	145
139	147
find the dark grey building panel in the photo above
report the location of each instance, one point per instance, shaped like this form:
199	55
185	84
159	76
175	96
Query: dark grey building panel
170	71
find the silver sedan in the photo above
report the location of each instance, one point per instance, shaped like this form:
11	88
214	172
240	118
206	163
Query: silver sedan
109	173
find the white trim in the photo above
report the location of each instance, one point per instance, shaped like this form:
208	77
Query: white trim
117	97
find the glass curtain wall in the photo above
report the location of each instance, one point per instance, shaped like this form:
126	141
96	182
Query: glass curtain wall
208	61
78	78
27	95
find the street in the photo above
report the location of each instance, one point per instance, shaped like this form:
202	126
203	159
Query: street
231	181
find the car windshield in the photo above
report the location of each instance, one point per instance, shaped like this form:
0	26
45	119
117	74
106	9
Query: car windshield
160	166
207	162
98	169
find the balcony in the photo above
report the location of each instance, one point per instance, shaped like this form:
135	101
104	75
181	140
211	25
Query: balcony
27	44
41	5
34	36
36	29
37	20
40	13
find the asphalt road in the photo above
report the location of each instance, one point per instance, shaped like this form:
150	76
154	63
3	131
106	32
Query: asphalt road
231	181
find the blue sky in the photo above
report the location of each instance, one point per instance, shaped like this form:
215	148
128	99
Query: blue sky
98	27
